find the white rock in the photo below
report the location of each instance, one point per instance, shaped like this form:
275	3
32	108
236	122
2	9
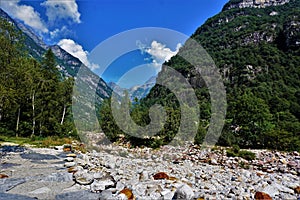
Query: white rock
167	194
69	164
213	162
184	192
155	195
121	197
98	175
120	186
83	177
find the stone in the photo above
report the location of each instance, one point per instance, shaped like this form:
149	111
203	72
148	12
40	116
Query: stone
262	196
110	162
167	194
9	183
292	164
38	156
155	195
74	169
59	177
101	185
271	189
144	176
121	197
184	192
213	161
84	194
282	188
128	193
140	189
69	164
73	155
297	190
82	177
106	195
160	175
7	196
67	147
98	175
69	159
3	176
120	186
59	148
41	190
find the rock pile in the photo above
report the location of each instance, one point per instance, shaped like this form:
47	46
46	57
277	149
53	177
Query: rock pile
116	172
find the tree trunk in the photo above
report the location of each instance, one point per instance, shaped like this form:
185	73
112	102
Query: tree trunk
18	120
33	114
63	115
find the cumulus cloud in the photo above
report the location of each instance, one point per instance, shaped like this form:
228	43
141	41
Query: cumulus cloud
159	53
25	13
62	10
77	51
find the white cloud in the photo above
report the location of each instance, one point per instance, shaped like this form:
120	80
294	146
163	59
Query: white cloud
62	9
25	13
77	51
159	53
60	32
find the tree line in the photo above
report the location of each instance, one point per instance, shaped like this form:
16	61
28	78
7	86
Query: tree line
35	97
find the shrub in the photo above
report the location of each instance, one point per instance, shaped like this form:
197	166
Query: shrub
236	152
235	148
247	155
230	153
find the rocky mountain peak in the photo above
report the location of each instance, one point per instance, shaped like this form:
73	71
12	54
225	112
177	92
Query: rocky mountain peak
253	3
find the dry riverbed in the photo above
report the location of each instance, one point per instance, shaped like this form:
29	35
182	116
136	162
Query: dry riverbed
115	172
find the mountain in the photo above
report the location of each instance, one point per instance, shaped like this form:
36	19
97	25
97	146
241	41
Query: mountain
88	84
138	91
255	45
253	3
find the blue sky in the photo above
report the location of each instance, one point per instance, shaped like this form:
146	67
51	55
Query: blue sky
79	26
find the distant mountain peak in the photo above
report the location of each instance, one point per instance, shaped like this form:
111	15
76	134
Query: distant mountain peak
138	91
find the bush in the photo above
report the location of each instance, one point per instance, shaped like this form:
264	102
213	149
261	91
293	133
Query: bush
247	155
235	148
236	152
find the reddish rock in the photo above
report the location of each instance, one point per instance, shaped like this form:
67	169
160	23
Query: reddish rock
67	148
262	196
3	176
297	190
128	193
160	175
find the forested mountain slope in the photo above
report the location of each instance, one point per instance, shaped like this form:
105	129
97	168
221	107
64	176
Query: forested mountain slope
256	47
30	68
257	51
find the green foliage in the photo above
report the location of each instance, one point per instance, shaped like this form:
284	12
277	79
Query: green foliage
236	152
34	98
258	56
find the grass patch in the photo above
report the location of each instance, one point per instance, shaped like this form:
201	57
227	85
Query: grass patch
38	141
16	140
